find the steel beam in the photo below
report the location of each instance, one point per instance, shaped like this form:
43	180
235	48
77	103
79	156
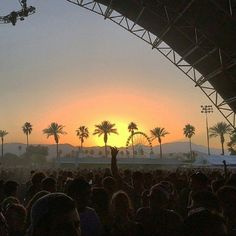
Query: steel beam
215	73
108	10
173	22
138	17
228	12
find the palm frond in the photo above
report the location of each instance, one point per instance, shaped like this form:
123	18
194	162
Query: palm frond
189	130
3	133
54	130
132	126
221	128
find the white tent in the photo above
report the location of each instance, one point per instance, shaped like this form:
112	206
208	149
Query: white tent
215	160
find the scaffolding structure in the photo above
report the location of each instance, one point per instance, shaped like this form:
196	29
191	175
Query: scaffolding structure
178	30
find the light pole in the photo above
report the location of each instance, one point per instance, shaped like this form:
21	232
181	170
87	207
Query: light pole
207	109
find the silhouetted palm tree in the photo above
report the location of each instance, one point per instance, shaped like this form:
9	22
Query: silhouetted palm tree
189	131
158	133
131	127
83	133
54	130
105	128
232	143
27	129
220	129
3	133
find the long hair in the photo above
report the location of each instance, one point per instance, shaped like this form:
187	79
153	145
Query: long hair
120	201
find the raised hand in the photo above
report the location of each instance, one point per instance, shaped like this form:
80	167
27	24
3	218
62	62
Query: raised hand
114	151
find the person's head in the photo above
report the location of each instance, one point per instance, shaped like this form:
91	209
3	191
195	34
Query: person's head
205	199
49	184
8	201
158	196
227	199
204	223
100	199
137	179
109	184
232	180
80	190
127	174
15	215
198	181
168	186
107	172
10	188
148	180
216	184
55	215
37	178
31	203
120	204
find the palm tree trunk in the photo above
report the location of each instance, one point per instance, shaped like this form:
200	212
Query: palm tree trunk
190	146
2	147
81	146
105	141
27	137
160	151
57	152
132	145
106	150
222	148
80	151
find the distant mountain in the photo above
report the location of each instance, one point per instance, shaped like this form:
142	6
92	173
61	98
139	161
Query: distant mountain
15	148
174	147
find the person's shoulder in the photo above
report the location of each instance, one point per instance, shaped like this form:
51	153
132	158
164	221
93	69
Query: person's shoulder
173	215
90	209
143	213
89	215
137	228
90	212
170	212
144	210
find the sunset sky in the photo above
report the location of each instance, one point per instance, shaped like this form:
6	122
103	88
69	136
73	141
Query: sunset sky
67	65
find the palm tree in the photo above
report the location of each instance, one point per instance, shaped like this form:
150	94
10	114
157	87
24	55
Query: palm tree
131	127
54	130
220	129
83	133
189	131
105	128
158	133
3	133
27	129
232	143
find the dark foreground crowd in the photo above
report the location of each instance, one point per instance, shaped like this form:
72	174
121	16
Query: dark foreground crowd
113	202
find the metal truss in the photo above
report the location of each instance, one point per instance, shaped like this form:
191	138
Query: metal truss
179	61
230	11
18	15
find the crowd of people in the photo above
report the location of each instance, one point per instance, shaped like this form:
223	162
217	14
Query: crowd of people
117	202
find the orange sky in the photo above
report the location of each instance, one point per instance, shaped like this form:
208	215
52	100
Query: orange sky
122	108
71	67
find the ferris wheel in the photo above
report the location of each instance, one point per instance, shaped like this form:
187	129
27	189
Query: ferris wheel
138	144
12	17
